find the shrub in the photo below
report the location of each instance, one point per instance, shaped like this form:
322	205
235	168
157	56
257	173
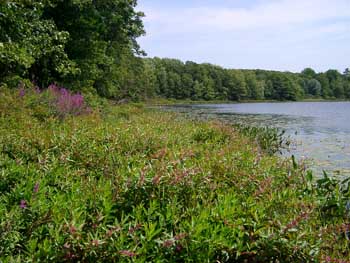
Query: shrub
154	187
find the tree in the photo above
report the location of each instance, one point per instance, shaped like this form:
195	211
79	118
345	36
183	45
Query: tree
79	43
198	90
187	85
308	73
255	88
148	79
284	88
209	93
335	83
31	47
101	33
326	90
313	87
237	87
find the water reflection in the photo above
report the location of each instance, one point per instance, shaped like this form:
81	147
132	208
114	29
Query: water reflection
320	131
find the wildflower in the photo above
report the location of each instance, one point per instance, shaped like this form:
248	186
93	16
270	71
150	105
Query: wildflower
69	256
37	90
72	229
21	92
180	236
178	248
168	243
156	179
112	230
133	229
36	188
294	223
109	233
23	204
53	88
66	246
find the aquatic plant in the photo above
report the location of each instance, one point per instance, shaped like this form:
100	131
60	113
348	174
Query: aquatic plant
271	140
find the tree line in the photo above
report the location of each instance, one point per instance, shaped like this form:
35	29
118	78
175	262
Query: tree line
91	45
171	78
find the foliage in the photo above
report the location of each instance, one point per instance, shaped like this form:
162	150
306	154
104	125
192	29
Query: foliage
271	140
85	44
136	185
53	102
92	46
31	47
178	80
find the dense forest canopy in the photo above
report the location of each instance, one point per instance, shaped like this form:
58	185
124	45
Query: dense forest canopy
91	45
78	43
174	79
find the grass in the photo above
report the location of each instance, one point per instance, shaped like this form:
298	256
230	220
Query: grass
129	184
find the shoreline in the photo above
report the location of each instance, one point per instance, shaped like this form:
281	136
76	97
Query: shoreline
122	182
161	102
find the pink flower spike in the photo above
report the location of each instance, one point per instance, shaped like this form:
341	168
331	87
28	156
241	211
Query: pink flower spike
36	188
23	204
22	92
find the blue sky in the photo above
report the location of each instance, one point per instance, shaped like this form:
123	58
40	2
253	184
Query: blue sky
287	35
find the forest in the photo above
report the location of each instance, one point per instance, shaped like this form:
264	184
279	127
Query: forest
91	46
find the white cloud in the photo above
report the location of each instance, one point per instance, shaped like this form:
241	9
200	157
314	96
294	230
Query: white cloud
275	34
266	14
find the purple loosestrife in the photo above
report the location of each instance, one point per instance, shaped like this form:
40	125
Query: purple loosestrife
54	89
36	188
67	103
168	243
23	204
21	92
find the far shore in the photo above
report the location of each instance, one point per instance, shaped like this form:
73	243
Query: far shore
162	102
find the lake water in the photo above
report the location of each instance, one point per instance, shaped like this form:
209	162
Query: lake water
320	131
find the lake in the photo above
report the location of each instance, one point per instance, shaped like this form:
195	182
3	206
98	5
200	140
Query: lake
320	131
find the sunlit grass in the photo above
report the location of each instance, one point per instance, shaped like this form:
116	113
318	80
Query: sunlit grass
127	184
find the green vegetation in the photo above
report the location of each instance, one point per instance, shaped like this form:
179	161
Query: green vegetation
91	46
83	179
175	79
83	44
127	184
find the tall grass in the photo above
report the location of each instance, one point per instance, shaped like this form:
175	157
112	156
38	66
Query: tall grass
126	184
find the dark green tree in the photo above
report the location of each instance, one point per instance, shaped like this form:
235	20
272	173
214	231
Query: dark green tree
31	46
308	73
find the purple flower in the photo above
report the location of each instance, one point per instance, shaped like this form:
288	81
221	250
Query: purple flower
53	88
23	204
168	243
21	92
178	248
37	90
66	102
36	188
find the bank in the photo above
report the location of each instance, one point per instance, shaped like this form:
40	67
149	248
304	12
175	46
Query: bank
125	183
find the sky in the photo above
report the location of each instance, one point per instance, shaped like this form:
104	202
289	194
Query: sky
286	35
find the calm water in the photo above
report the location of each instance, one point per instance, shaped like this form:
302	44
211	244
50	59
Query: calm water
320	131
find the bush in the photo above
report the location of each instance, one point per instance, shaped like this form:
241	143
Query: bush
137	185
